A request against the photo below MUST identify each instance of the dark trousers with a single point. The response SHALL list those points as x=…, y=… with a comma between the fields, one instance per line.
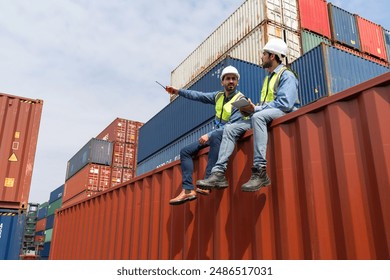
x=189, y=151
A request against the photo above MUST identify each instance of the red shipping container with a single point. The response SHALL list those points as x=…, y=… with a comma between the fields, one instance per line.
x=41, y=225
x=92, y=177
x=371, y=38
x=329, y=164
x=121, y=130
x=314, y=16
x=79, y=197
x=19, y=125
x=124, y=155
x=120, y=175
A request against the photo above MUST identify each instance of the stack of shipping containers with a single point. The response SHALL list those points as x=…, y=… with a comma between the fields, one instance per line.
x=105, y=161
x=40, y=229
x=19, y=126
x=29, y=246
x=124, y=136
x=320, y=48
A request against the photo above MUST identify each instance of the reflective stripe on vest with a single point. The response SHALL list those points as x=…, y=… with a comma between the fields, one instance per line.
x=223, y=115
x=271, y=86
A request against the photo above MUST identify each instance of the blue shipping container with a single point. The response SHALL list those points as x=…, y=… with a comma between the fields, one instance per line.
x=95, y=151
x=344, y=27
x=172, y=151
x=42, y=212
x=40, y=233
x=326, y=70
x=183, y=115
x=386, y=35
x=11, y=233
x=56, y=194
x=46, y=250
x=49, y=222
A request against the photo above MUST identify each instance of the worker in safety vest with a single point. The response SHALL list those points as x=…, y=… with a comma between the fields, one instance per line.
x=224, y=113
x=279, y=96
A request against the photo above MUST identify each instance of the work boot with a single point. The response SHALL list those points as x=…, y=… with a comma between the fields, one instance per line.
x=183, y=197
x=258, y=179
x=215, y=180
x=202, y=191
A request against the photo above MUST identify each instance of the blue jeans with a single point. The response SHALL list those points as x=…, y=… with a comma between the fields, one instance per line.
x=259, y=122
x=188, y=152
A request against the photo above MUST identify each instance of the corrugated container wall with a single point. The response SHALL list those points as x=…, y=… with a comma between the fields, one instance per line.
x=343, y=27
x=323, y=72
x=11, y=233
x=19, y=126
x=42, y=210
x=165, y=127
x=371, y=38
x=50, y=221
x=314, y=16
x=329, y=164
x=231, y=33
x=95, y=151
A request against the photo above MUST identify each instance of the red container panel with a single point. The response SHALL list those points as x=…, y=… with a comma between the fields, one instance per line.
x=329, y=164
x=371, y=38
x=93, y=177
x=361, y=54
x=314, y=16
x=19, y=125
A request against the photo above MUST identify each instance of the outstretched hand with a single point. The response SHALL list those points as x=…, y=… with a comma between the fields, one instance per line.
x=171, y=90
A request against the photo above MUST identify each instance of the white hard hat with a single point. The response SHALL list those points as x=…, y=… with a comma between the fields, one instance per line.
x=276, y=46
x=230, y=70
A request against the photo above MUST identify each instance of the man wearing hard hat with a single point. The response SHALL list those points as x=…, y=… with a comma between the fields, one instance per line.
x=224, y=113
x=278, y=97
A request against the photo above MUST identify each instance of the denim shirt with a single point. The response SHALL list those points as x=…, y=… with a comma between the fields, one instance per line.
x=286, y=94
x=209, y=98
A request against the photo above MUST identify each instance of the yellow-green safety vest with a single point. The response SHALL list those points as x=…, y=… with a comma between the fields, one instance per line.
x=224, y=110
x=271, y=86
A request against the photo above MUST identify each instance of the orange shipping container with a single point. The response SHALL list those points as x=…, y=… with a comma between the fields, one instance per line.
x=93, y=177
x=19, y=125
x=329, y=164
x=120, y=175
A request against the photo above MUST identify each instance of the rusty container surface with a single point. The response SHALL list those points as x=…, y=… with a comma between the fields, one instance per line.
x=329, y=163
x=19, y=126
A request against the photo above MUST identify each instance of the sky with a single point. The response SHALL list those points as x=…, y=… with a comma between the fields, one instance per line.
x=92, y=61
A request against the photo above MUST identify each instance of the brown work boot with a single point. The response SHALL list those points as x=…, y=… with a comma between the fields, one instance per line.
x=184, y=196
x=203, y=192
x=258, y=179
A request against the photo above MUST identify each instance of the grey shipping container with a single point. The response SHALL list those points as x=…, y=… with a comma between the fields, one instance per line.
x=11, y=233
x=326, y=70
x=95, y=151
x=56, y=194
x=343, y=27
x=183, y=115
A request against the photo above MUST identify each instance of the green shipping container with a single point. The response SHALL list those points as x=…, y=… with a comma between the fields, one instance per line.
x=311, y=40
x=54, y=206
x=48, y=235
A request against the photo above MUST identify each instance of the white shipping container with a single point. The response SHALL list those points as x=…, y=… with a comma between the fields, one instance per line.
x=249, y=16
x=250, y=49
